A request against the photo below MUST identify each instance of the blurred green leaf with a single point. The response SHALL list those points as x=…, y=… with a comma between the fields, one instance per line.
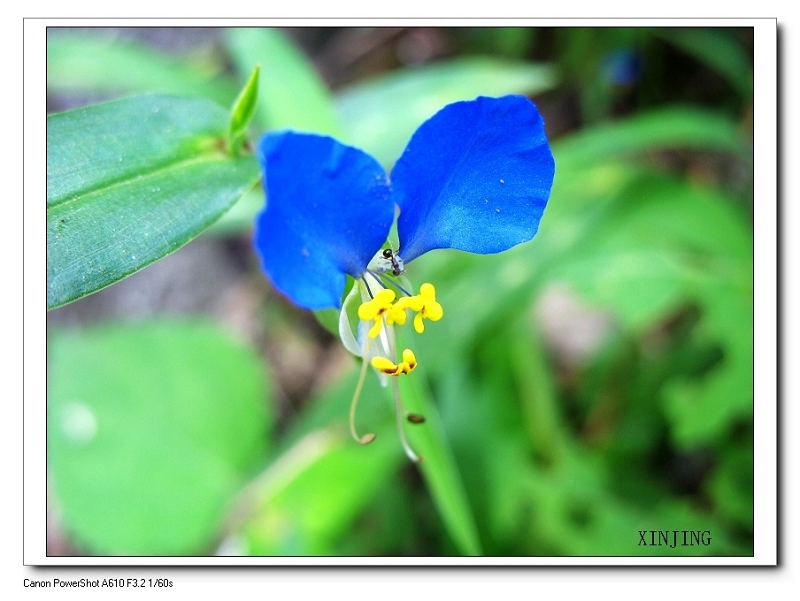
x=380, y=115
x=485, y=429
x=536, y=389
x=731, y=485
x=638, y=285
x=664, y=212
x=130, y=181
x=292, y=95
x=429, y=440
x=704, y=409
x=82, y=62
x=152, y=428
x=670, y=127
x=308, y=498
x=644, y=255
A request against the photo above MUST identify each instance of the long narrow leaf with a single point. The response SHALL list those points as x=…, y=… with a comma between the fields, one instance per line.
x=129, y=182
x=439, y=468
x=672, y=127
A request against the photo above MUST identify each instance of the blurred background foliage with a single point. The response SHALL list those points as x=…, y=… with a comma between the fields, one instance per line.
x=592, y=383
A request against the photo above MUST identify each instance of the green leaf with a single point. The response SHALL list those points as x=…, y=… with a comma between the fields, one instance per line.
x=130, y=181
x=243, y=109
x=671, y=127
x=152, y=429
x=90, y=62
x=292, y=95
x=704, y=409
x=380, y=115
x=644, y=255
x=637, y=285
x=438, y=467
x=308, y=498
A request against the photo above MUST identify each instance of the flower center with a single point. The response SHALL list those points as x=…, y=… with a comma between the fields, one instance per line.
x=382, y=311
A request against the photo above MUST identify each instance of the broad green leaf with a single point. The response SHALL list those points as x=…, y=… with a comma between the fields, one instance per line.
x=380, y=115
x=671, y=127
x=152, y=429
x=130, y=181
x=241, y=216
x=291, y=93
x=91, y=63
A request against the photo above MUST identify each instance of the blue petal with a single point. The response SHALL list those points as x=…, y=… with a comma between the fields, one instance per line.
x=327, y=213
x=476, y=176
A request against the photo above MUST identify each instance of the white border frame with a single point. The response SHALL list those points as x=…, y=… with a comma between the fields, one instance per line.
x=765, y=303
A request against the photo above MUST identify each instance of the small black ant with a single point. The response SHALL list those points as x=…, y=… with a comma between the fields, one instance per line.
x=397, y=262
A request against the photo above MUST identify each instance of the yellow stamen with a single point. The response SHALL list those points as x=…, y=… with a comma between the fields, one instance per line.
x=406, y=366
x=375, y=309
x=426, y=306
x=409, y=360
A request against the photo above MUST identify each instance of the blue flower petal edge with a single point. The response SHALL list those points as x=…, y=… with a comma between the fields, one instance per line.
x=328, y=210
x=475, y=177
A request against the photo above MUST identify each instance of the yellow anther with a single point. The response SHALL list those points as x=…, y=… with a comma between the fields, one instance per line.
x=397, y=312
x=375, y=308
x=383, y=364
x=406, y=366
x=429, y=308
x=409, y=360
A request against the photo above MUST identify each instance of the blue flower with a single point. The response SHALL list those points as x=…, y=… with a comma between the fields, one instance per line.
x=474, y=177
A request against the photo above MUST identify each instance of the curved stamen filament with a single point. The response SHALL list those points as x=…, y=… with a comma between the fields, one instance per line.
x=369, y=437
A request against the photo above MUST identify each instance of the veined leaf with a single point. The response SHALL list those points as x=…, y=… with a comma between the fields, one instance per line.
x=130, y=181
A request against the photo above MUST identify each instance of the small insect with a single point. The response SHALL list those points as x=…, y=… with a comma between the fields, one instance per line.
x=397, y=262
